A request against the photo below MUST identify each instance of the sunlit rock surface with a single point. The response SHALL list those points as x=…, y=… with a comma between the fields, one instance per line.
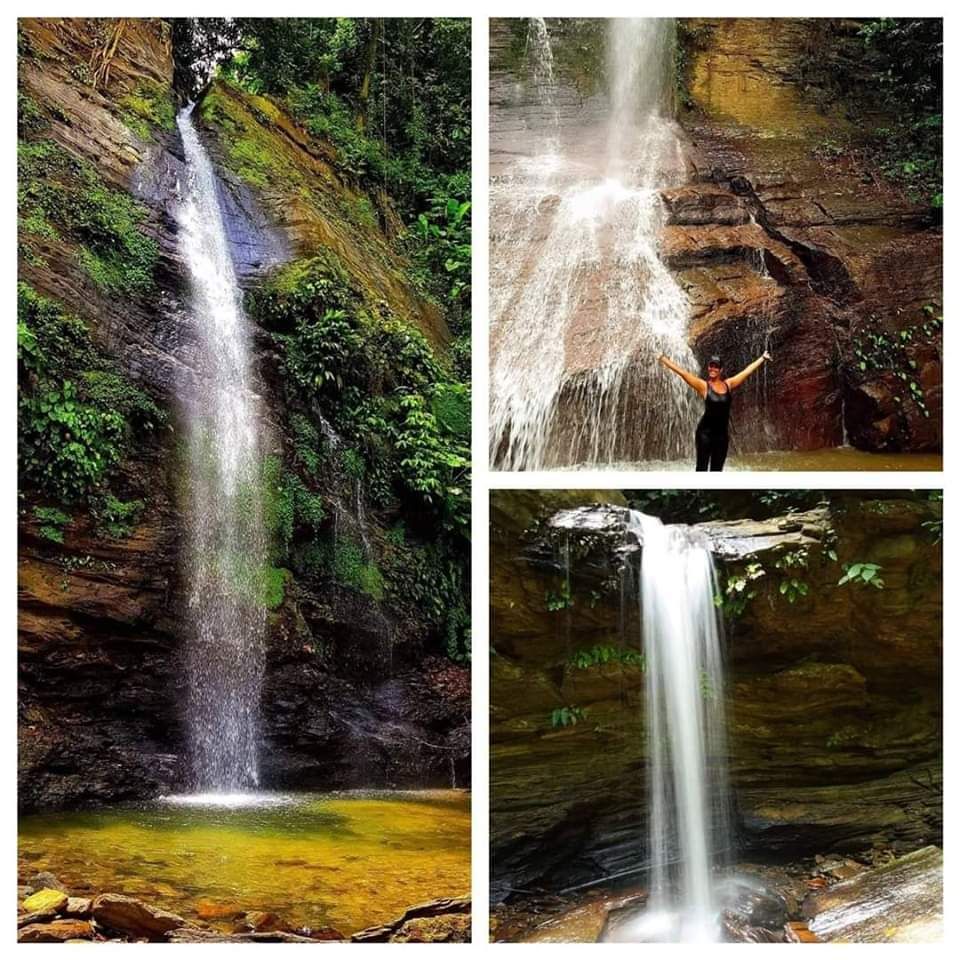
x=901, y=902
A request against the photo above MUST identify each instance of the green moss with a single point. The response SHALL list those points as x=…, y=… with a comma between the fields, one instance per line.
x=149, y=107
x=30, y=116
x=253, y=150
x=349, y=566
x=59, y=194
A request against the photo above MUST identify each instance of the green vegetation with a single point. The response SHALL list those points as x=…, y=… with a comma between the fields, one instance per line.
x=601, y=654
x=378, y=381
x=116, y=518
x=352, y=569
x=790, y=564
x=77, y=415
x=52, y=521
x=567, y=717
x=559, y=600
x=879, y=351
x=891, y=67
x=739, y=590
x=862, y=573
x=149, y=107
x=690, y=39
x=393, y=96
x=62, y=197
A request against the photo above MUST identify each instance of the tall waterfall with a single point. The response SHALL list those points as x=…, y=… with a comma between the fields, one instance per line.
x=225, y=540
x=686, y=733
x=581, y=304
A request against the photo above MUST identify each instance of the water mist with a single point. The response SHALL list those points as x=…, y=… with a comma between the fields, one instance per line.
x=226, y=546
x=581, y=304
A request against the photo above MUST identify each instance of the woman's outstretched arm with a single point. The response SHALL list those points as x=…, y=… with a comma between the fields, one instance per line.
x=738, y=378
x=692, y=379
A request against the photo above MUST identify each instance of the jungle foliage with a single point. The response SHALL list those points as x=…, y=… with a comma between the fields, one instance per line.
x=397, y=422
x=889, y=67
x=78, y=416
x=373, y=413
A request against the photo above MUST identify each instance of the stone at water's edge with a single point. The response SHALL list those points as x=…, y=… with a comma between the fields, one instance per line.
x=46, y=901
x=134, y=918
x=58, y=931
x=437, y=921
x=900, y=902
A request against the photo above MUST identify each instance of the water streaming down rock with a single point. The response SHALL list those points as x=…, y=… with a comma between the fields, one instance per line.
x=581, y=303
x=686, y=732
x=226, y=549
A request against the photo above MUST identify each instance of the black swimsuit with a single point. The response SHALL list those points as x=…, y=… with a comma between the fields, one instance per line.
x=712, y=436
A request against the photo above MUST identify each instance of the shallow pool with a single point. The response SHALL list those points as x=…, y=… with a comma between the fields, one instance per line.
x=346, y=860
x=837, y=458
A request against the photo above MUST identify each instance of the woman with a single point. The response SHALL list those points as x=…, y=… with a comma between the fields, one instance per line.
x=712, y=436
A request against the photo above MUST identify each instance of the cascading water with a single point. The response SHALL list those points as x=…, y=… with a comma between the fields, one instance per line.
x=689, y=822
x=581, y=304
x=226, y=546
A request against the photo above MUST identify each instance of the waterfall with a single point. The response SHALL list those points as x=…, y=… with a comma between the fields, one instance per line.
x=226, y=552
x=581, y=303
x=689, y=820
x=541, y=55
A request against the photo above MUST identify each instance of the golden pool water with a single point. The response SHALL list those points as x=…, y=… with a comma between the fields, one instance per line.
x=345, y=860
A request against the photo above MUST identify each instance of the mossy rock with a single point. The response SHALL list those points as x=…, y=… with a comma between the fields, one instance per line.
x=48, y=901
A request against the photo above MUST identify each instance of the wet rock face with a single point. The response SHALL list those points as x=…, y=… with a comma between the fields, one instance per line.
x=900, y=902
x=775, y=247
x=833, y=257
x=834, y=707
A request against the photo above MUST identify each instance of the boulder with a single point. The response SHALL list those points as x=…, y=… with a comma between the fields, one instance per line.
x=57, y=931
x=79, y=907
x=133, y=918
x=899, y=902
x=46, y=901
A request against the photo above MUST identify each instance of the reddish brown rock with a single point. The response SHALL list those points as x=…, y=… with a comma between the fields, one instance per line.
x=57, y=931
x=133, y=918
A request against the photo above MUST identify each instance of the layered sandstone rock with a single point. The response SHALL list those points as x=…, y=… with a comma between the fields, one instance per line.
x=833, y=706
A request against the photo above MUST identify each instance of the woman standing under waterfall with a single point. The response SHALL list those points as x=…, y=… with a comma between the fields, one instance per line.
x=712, y=435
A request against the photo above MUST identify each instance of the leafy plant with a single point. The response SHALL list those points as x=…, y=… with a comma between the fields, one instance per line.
x=599, y=655
x=566, y=717
x=116, y=518
x=862, y=573
x=52, y=521
x=740, y=589
x=791, y=586
x=559, y=600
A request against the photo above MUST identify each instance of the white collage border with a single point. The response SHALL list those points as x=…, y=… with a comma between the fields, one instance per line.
x=485, y=480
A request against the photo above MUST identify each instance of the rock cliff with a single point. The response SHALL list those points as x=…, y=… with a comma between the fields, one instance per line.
x=834, y=706
x=357, y=690
x=779, y=240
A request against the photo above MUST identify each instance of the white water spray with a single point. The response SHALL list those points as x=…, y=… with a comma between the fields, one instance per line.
x=226, y=545
x=581, y=304
x=686, y=733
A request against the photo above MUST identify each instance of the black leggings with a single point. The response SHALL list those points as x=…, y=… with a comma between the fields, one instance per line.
x=712, y=446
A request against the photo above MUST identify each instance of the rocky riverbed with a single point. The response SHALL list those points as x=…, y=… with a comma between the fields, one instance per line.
x=826, y=898
x=48, y=914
